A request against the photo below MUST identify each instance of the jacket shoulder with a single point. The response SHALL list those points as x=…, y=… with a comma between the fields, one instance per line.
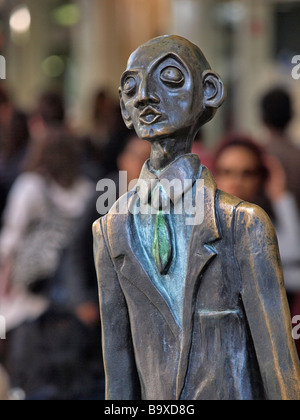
x=252, y=215
x=246, y=215
x=97, y=230
x=96, y=227
x=255, y=227
x=117, y=211
x=226, y=206
x=229, y=204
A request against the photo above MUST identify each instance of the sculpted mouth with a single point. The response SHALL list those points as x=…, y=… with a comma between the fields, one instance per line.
x=150, y=115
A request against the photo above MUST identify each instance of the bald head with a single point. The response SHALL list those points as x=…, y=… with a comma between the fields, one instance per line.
x=177, y=45
x=169, y=90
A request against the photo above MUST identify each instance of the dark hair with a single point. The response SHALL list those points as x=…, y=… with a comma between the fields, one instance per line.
x=4, y=99
x=19, y=131
x=103, y=104
x=276, y=108
x=57, y=158
x=15, y=137
x=51, y=108
x=242, y=140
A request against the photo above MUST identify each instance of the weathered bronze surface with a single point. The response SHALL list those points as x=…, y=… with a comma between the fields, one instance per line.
x=204, y=315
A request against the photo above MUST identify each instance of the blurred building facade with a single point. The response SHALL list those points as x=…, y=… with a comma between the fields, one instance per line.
x=80, y=46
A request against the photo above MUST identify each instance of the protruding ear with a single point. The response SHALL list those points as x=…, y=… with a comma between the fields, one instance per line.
x=126, y=117
x=214, y=90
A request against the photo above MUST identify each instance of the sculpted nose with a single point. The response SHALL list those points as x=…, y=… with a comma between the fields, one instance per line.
x=145, y=95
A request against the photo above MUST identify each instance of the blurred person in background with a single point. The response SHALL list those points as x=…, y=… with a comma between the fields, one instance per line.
x=14, y=136
x=47, y=117
x=202, y=151
x=76, y=275
x=103, y=117
x=277, y=113
x=49, y=113
x=70, y=366
x=242, y=169
x=100, y=147
x=92, y=145
x=43, y=207
x=109, y=128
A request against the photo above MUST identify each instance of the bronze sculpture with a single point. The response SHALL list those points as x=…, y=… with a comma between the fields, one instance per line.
x=189, y=311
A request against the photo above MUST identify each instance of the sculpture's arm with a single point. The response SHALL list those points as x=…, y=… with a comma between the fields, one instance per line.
x=265, y=302
x=121, y=377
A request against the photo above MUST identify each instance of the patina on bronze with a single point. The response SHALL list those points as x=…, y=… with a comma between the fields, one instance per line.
x=188, y=312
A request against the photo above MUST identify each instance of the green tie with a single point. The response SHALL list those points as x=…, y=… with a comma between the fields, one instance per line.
x=162, y=242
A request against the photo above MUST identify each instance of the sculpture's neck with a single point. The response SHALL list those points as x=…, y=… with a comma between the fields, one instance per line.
x=164, y=152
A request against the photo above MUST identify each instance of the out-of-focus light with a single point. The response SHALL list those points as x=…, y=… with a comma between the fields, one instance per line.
x=53, y=66
x=20, y=20
x=233, y=12
x=66, y=15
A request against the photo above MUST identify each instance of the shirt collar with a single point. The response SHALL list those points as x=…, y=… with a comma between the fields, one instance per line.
x=180, y=174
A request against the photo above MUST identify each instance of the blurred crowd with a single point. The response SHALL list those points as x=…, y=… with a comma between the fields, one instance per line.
x=48, y=286
x=48, y=177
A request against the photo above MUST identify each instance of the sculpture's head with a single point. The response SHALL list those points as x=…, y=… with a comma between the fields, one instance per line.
x=169, y=90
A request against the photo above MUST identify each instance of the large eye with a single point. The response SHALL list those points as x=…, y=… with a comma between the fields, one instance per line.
x=172, y=76
x=129, y=85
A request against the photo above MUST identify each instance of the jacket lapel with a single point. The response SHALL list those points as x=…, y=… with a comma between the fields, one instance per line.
x=201, y=253
x=120, y=237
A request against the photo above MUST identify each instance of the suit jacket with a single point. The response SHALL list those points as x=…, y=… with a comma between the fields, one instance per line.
x=235, y=341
